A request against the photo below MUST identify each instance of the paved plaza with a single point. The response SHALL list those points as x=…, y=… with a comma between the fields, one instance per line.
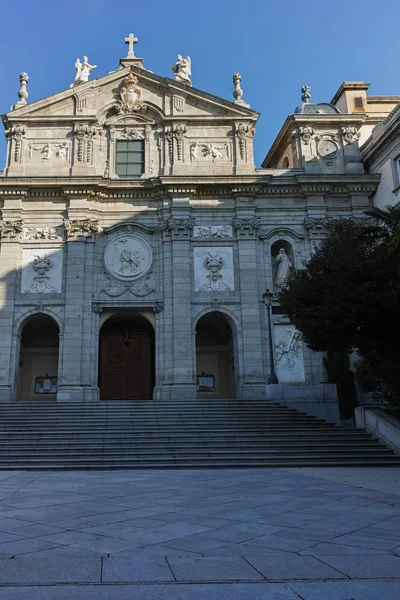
x=281, y=534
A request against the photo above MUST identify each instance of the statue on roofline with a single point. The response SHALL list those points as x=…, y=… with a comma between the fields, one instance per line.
x=83, y=70
x=182, y=69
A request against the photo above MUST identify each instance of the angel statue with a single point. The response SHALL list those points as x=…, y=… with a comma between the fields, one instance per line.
x=83, y=71
x=182, y=69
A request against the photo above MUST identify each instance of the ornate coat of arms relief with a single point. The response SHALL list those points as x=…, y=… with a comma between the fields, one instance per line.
x=130, y=94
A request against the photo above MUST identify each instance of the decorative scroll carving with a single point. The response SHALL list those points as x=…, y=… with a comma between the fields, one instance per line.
x=242, y=131
x=315, y=226
x=141, y=288
x=158, y=307
x=41, y=233
x=306, y=134
x=131, y=96
x=212, y=231
x=177, y=227
x=96, y=308
x=10, y=230
x=246, y=226
x=84, y=228
x=169, y=136
x=350, y=134
x=84, y=135
x=179, y=133
x=131, y=133
x=16, y=133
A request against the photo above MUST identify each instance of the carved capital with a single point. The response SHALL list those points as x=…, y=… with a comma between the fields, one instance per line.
x=10, y=230
x=246, y=226
x=315, y=227
x=350, y=134
x=158, y=307
x=306, y=134
x=97, y=308
x=177, y=227
x=80, y=229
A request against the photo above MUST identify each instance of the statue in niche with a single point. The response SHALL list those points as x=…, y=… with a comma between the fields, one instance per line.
x=283, y=269
x=182, y=69
x=83, y=71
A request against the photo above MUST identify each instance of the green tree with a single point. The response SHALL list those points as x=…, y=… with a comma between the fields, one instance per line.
x=334, y=296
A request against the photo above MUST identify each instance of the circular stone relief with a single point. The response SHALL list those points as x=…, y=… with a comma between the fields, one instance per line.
x=128, y=257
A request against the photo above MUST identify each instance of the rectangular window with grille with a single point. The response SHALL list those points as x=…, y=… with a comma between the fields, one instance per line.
x=130, y=158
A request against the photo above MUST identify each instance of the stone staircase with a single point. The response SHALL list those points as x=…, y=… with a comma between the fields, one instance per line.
x=177, y=434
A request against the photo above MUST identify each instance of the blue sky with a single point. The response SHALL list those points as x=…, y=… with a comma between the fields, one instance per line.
x=277, y=46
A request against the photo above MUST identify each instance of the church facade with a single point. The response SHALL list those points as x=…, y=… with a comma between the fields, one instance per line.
x=137, y=238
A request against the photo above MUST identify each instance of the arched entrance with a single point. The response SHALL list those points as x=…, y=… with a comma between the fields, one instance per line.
x=126, y=362
x=215, y=357
x=38, y=359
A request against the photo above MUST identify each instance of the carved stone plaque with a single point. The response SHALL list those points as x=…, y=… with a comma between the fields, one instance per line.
x=213, y=269
x=288, y=350
x=128, y=257
x=41, y=271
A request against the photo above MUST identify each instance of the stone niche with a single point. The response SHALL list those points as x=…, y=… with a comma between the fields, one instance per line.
x=213, y=269
x=41, y=271
x=288, y=351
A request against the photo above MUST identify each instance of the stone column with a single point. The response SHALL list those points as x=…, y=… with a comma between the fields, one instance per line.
x=75, y=381
x=10, y=230
x=179, y=374
x=253, y=382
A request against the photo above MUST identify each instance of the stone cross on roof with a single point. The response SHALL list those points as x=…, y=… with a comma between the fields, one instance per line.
x=131, y=41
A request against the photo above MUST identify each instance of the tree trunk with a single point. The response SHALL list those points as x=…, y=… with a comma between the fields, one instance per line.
x=337, y=365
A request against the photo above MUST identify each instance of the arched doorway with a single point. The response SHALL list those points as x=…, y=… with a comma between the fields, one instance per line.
x=38, y=359
x=126, y=361
x=215, y=357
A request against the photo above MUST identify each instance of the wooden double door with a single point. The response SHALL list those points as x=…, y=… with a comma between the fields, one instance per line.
x=126, y=365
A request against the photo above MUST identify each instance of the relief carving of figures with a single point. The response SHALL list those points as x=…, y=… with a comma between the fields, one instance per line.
x=283, y=269
x=130, y=94
x=350, y=134
x=212, y=231
x=182, y=69
x=246, y=226
x=208, y=152
x=132, y=134
x=10, y=230
x=16, y=133
x=127, y=258
x=60, y=151
x=177, y=227
x=288, y=354
x=84, y=228
x=242, y=131
x=83, y=70
x=41, y=281
x=41, y=233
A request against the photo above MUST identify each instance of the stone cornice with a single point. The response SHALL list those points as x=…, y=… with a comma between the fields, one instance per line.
x=250, y=186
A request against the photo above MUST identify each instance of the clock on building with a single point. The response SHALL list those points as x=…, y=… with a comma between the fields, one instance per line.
x=327, y=149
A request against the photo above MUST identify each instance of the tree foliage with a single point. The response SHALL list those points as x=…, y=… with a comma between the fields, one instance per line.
x=347, y=297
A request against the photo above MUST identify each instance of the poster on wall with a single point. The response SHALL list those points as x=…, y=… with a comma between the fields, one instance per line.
x=205, y=383
x=46, y=385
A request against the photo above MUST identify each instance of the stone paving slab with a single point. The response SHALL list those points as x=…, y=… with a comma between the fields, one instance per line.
x=347, y=590
x=255, y=591
x=368, y=567
x=51, y=570
x=118, y=570
x=213, y=569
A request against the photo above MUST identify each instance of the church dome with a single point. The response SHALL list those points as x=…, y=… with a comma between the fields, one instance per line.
x=324, y=108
